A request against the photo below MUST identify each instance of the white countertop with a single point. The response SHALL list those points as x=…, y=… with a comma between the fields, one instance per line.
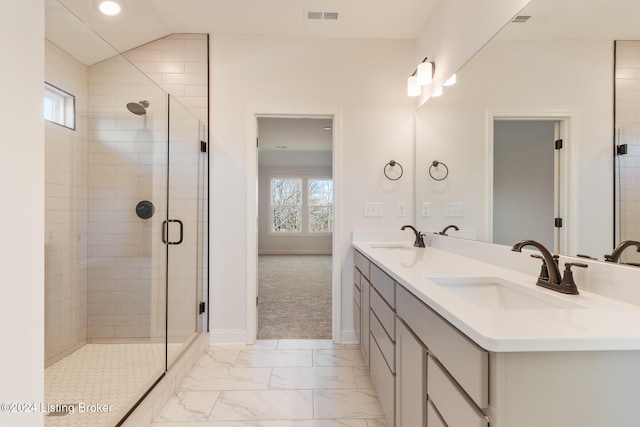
x=600, y=323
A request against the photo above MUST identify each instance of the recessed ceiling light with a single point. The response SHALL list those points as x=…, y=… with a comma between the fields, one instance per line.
x=109, y=7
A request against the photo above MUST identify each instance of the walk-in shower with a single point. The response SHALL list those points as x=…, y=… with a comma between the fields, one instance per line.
x=126, y=226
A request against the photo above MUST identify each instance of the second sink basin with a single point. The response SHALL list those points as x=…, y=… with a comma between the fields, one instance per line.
x=494, y=293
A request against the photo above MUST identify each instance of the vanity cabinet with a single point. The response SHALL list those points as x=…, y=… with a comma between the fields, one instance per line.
x=362, y=275
x=378, y=330
x=427, y=372
x=411, y=375
x=457, y=373
x=382, y=316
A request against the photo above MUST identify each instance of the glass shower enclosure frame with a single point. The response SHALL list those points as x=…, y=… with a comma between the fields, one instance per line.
x=126, y=247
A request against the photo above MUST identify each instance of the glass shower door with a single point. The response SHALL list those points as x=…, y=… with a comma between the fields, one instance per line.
x=186, y=227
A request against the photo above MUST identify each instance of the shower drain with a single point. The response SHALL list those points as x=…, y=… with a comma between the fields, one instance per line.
x=62, y=409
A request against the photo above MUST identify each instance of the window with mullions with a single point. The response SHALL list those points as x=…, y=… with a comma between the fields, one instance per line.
x=320, y=202
x=59, y=106
x=301, y=205
x=286, y=205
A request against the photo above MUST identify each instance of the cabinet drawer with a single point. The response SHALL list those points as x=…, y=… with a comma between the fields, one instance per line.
x=466, y=361
x=357, y=295
x=385, y=344
x=384, y=313
x=433, y=417
x=356, y=320
x=384, y=285
x=364, y=320
x=384, y=382
x=356, y=277
x=362, y=264
x=452, y=403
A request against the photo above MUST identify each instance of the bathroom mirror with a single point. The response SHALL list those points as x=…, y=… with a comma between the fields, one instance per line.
x=555, y=67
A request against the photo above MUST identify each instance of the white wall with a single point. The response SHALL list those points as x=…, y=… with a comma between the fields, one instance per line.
x=22, y=195
x=66, y=160
x=527, y=77
x=363, y=80
x=456, y=30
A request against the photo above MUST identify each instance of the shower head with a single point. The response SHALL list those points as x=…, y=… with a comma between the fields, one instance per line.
x=138, y=108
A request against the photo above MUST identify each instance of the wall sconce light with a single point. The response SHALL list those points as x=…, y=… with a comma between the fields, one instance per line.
x=422, y=76
x=425, y=72
x=413, y=87
x=451, y=81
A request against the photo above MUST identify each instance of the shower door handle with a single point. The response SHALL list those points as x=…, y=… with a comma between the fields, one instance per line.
x=165, y=232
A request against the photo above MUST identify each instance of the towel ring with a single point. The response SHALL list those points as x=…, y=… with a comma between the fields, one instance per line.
x=435, y=164
x=393, y=163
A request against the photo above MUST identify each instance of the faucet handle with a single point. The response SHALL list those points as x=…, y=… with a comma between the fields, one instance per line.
x=544, y=272
x=567, y=278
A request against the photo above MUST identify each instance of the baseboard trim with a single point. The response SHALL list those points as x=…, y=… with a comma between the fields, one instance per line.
x=229, y=336
x=294, y=252
x=348, y=336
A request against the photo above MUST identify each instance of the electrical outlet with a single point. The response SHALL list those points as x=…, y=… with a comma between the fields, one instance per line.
x=454, y=210
x=373, y=209
x=425, y=209
x=402, y=209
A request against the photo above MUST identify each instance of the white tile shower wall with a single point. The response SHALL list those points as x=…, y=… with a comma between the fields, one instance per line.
x=178, y=63
x=127, y=155
x=66, y=159
x=628, y=121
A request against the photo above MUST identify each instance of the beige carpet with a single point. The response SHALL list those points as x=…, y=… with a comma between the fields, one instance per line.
x=295, y=296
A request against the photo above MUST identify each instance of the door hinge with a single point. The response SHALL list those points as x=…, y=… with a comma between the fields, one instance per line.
x=202, y=307
x=558, y=144
x=558, y=222
x=257, y=301
x=621, y=149
x=203, y=146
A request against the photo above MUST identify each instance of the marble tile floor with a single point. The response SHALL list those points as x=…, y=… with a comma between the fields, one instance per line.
x=276, y=383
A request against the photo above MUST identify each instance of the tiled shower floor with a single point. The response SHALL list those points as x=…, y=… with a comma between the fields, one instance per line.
x=104, y=374
x=276, y=383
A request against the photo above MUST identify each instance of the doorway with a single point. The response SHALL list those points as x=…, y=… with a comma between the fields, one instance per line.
x=530, y=181
x=295, y=227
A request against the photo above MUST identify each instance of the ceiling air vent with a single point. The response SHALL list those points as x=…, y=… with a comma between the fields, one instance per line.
x=520, y=19
x=318, y=15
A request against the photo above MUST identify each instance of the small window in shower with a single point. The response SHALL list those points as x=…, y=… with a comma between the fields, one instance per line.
x=59, y=106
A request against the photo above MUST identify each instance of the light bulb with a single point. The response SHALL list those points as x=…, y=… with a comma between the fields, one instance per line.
x=425, y=73
x=110, y=7
x=413, y=87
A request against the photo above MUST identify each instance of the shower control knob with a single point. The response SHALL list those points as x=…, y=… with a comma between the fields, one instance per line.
x=145, y=209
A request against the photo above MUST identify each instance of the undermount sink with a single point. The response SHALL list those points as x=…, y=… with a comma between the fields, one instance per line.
x=494, y=293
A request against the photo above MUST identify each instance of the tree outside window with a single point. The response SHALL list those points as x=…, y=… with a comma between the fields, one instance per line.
x=320, y=201
x=286, y=205
x=301, y=205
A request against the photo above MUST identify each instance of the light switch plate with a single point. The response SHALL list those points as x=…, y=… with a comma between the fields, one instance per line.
x=373, y=209
x=454, y=210
x=402, y=209
x=425, y=209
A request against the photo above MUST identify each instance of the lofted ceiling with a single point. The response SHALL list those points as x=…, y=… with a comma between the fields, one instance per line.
x=142, y=21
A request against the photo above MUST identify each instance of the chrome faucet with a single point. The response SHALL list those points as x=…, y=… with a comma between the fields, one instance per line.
x=550, y=277
x=419, y=242
x=615, y=255
x=444, y=232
